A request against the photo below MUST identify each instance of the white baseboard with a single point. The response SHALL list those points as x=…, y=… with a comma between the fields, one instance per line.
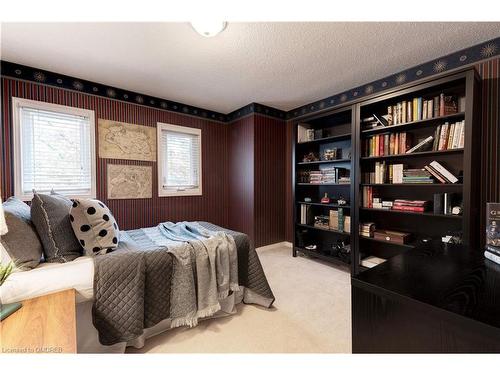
x=275, y=245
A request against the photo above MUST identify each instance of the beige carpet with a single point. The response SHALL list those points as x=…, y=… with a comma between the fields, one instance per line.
x=312, y=314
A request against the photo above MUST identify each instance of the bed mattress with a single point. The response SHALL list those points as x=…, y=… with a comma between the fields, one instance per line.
x=50, y=278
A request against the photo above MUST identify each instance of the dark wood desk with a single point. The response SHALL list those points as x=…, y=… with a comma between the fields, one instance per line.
x=435, y=299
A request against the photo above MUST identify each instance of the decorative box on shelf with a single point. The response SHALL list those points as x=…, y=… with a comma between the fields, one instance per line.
x=392, y=236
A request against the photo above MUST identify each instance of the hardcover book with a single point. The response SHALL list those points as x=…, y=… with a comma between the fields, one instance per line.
x=493, y=227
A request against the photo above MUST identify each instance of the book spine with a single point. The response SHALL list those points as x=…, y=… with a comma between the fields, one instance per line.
x=389, y=115
x=403, y=111
x=415, y=109
x=386, y=144
x=435, y=106
x=441, y=104
x=430, y=111
x=424, y=110
x=409, y=111
x=438, y=177
x=449, y=143
x=419, y=108
x=408, y=208
x=438, y=204
x=442, y=136
x=461, y=143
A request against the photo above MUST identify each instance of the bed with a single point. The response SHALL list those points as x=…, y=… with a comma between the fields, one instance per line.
x=80, y=275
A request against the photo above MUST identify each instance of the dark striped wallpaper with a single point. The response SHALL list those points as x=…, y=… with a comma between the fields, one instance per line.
x=133, y=213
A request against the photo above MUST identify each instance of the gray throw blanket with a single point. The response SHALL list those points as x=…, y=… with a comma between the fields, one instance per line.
x=176, y=271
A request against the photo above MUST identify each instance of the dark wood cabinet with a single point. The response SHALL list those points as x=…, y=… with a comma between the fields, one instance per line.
x=434, y=299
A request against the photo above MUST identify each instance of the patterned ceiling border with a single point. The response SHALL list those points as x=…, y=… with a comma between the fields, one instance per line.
x=256, y=108
x=465, y=57
x=27, y=73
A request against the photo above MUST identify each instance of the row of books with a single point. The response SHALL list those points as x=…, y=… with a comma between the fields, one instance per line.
x=333, y=175
x=449, y=136
x=398, y=174
x=338, y=221
x=387, y=144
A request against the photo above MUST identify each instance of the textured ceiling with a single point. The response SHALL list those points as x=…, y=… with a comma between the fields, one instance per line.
x=283, y=65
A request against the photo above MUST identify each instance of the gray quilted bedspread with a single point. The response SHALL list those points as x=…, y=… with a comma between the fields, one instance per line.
x=132, y=284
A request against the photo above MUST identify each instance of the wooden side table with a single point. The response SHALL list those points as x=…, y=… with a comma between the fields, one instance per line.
x=45, y=324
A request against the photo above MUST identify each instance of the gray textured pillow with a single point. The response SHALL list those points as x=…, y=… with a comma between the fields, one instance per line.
x=50, y=214
x=94, y=226
x=21, y=241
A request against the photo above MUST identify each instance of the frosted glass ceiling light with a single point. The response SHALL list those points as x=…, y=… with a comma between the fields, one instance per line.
x=208, y=28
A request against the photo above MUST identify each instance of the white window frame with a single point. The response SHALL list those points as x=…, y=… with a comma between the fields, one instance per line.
x=17, y=146
x=162, y=192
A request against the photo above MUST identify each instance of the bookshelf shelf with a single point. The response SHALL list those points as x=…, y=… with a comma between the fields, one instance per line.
x=327, y=258
x=428, y=214
x=333, y=138
x=332, y=205
x=409, y=125
x=323, y=229
x=419, y=185
x=407, y=245
x=308, y=184
x=325, y=162
x=415, y=154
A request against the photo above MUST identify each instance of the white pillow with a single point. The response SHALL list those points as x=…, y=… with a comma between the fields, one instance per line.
x=94, y=226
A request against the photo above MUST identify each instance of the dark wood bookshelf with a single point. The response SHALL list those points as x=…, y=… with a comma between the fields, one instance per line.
x=460, y=161
x=408, y=125
x=337, y=128
x=341, y=126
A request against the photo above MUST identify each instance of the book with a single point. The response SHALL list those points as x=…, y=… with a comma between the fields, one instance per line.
x=9, y=309
x=415, y=109
x=430, y=110
x=438, y=203
x=421, y=144
x=435, y=174
x=435, y=106
x=462, y=135
x=389, y=115
x=493, y=227
x=409, y=111
x=371, y=261
x=443, y=136
x=444, y=172
x=451, y=133
x=492, y=256
x=408, y=208
x=419, y=108
x=381, y=120
x=424, y=110
x=441, y=104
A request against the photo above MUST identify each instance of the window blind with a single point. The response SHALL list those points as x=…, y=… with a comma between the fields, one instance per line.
x=181, y=164
x=55, y=152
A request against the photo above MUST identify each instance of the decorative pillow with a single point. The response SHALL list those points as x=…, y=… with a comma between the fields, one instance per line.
x=94, y=226
x=50, y=214
x=21, y=242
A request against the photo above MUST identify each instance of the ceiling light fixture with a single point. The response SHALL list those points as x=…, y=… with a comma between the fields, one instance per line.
x=208, y=28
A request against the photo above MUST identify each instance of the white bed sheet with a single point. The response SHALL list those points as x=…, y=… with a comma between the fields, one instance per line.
x=49, y=278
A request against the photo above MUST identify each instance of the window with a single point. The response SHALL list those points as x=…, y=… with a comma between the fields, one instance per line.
x=179, y=160
x=54, y=148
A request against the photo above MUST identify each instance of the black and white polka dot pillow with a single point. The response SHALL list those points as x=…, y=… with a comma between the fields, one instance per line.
x=94, y=226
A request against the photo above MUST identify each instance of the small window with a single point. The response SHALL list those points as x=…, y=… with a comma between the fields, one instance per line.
x=179, y=160
x=54, y=149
